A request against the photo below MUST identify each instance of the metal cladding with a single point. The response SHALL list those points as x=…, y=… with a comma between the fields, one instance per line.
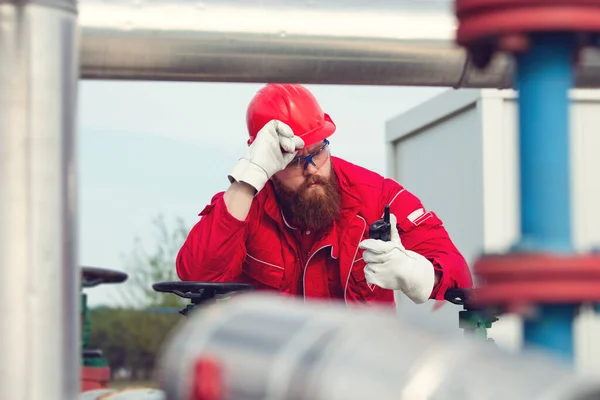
x=123, y=394
x=39, y=303
x=363, y=42
x=268, y=346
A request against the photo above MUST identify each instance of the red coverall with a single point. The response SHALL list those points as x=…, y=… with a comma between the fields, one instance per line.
x=269, y=253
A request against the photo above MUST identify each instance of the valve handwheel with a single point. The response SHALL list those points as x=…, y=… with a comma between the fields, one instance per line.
x=199, y=292
x=94, y=276
x=456, y=296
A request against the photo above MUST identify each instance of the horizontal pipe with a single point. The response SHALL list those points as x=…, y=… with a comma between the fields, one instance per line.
x=265, y=346
x=363, y=42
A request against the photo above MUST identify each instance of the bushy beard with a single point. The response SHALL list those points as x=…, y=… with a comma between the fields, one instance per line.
x=312, y=209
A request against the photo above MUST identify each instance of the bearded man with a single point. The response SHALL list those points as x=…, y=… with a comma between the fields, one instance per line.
x=295, y=219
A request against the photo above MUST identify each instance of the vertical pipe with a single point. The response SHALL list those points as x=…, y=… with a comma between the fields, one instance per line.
x=39, y=69
x=552, y=330
x=544, y=78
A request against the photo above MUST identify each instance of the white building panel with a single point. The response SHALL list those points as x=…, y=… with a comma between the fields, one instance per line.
x=458, y=152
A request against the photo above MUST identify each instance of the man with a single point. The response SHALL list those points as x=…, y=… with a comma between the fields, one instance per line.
x=295, y=219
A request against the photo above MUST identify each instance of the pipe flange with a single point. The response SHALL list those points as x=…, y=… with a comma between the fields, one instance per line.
x=520, y=280
x=486, y=26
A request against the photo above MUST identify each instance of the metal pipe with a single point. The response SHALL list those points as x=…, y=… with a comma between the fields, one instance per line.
x=268, y=346
x=123, y=394
x=544, y=78
x=363, y=42
x=39, y=69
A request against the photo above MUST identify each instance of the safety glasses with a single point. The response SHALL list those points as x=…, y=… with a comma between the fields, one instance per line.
x=316, y=158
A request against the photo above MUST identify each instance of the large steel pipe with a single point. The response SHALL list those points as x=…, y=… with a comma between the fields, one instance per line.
x=263, y=346
x=39, y=303
x=366, y=42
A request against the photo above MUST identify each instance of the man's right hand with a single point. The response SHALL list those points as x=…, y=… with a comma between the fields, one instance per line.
x=272, y=150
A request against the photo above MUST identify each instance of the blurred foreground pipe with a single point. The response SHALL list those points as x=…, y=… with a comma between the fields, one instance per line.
x=260, y=346
x=123, y=394
x=39, y=297
x=363, y=42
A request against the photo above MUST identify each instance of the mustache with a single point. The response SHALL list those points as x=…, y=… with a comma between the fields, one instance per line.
x=315, y=179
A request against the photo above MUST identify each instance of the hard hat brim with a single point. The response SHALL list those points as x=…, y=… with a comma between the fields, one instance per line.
x=319, y=134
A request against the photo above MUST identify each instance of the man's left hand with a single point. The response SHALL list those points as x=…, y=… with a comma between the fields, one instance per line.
x=391, y=266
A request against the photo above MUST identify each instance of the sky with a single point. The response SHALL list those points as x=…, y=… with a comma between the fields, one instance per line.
x=164, y=148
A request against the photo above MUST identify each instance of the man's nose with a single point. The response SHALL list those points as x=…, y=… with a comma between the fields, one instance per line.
x=310, y=169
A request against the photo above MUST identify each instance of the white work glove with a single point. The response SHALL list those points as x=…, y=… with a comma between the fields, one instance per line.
x=391, y=266
x=265, y=157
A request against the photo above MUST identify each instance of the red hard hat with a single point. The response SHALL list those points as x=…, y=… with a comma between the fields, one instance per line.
x=292, y=104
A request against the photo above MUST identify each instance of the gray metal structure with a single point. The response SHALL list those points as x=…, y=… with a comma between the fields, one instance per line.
x=272, y=348
x=39, y=298
x=359, y=42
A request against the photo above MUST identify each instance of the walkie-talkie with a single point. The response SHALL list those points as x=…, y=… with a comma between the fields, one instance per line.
x=382, y=229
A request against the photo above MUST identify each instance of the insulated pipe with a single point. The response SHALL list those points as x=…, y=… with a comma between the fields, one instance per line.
x=136, y=393
x=268, y=346
x=39, y=69
x=363, y=42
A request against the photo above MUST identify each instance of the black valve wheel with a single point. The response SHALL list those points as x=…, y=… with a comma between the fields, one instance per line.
x=94, y=276
x=457, y=296
x=200, y=292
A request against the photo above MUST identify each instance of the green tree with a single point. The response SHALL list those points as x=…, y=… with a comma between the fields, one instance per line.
x=131, y=339
x=146, y=267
